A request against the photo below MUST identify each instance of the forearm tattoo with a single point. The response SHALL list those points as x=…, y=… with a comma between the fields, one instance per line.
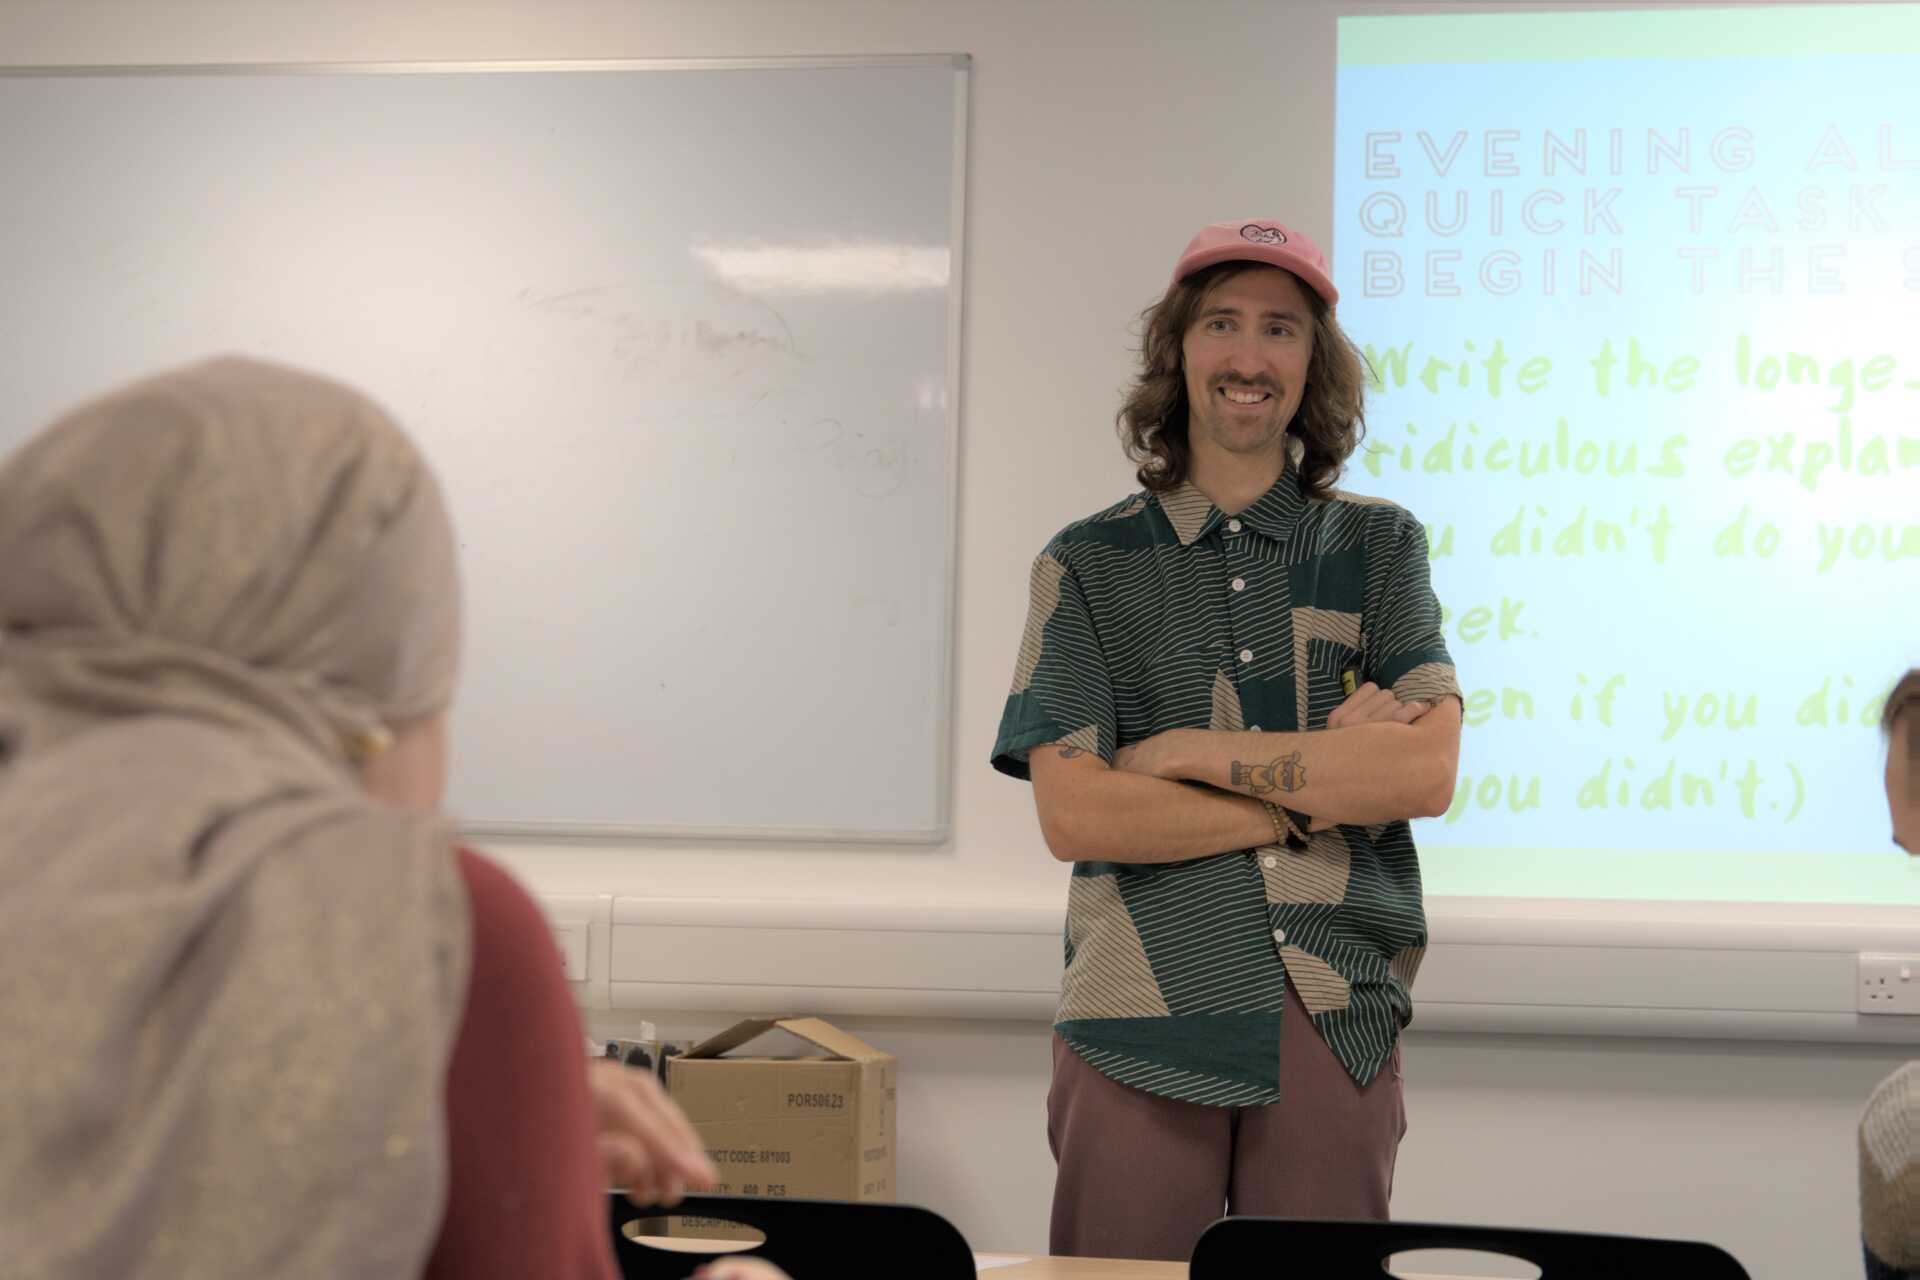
x=1288, y=774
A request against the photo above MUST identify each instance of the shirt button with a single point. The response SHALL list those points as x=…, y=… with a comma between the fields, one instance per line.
x=1279, y=935
x=1233, y=526
x=1246, y=655
x=1239, y=584
x=1253, y=728
x=1269, y=861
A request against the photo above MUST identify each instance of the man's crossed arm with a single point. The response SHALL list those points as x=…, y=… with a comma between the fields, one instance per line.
x=1378, y=760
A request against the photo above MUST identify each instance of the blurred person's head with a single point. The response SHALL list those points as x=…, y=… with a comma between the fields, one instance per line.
x=241, y=544
x=1901, y=724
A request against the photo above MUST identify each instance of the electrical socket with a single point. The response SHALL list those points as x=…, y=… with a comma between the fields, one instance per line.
x=1889, y=983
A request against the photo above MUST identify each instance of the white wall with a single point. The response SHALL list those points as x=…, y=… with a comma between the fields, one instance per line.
x=1103, y=133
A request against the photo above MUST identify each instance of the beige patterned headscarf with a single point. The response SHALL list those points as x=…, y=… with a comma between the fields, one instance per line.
x=229, y=983
x=1890, y=1171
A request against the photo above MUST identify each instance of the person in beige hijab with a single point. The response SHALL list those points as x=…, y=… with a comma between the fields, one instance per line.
x=235, y=937
x=1890, y=1126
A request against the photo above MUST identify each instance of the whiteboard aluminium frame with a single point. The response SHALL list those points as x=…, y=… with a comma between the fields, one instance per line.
x=941, y=832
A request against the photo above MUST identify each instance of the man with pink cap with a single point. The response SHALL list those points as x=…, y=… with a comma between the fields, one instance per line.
x=1231, y=695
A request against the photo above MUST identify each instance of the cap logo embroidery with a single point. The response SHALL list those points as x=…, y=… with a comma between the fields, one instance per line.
x=1263, y=235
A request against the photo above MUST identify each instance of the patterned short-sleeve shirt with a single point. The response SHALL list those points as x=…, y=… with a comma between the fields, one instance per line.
x=1160, y=613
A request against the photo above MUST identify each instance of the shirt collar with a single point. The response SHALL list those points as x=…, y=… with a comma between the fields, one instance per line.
x=1274, y=513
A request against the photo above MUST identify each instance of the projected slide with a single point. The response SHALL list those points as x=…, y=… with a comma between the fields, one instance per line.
x=1642, y=290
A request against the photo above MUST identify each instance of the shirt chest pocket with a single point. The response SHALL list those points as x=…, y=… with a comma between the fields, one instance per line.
x=1329, y=644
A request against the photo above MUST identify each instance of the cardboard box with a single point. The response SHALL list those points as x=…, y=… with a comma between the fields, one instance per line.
x=817, y=1127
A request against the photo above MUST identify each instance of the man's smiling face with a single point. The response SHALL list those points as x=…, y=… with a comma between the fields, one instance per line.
x=1246, y=355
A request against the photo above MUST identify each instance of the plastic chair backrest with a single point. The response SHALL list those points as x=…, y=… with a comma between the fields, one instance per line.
x=805, y=1238
x=1243, y=1247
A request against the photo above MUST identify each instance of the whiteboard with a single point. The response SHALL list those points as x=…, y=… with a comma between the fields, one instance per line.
x=680, y=338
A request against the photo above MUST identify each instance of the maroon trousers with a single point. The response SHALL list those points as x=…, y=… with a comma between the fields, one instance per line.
x=1142, y=1176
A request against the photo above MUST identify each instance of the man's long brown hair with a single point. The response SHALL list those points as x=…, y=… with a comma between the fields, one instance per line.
x=1153, y=420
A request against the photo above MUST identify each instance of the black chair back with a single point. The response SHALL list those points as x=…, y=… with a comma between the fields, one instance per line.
x=805, y=1238
x=1241, y=1247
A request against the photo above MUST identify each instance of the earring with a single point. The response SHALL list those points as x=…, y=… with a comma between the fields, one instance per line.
x=365, y=744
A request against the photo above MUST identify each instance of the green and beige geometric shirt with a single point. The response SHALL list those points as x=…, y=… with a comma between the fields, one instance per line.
x=1163, y=613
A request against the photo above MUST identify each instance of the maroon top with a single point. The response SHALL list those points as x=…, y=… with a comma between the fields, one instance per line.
x=526, y=1195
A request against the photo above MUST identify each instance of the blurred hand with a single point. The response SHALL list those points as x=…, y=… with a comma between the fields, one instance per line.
x=647, y=1145
x=1370, y=704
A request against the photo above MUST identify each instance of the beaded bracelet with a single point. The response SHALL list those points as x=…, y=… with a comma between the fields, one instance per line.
x=1287, y=826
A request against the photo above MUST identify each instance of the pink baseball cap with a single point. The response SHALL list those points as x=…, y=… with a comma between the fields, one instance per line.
x=1264, y=241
